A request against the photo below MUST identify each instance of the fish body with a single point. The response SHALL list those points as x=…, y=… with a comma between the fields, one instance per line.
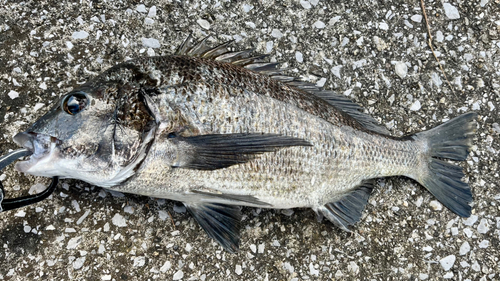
x=215, y=129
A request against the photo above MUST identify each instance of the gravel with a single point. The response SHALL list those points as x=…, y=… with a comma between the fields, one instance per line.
x=356, y=48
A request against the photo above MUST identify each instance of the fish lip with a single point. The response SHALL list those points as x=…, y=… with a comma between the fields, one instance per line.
x=41, y=145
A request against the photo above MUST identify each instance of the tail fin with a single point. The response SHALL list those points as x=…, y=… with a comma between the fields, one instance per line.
x=450, y=140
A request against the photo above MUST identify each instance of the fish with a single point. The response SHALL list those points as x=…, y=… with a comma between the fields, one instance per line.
x=217, y=128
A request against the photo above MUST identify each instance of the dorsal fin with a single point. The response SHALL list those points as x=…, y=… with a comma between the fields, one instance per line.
x=245, y=59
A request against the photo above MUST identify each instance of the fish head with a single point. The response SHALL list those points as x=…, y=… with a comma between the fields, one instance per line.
x=91, y=134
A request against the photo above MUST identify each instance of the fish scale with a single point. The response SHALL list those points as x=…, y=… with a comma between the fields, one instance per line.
x=216, y=129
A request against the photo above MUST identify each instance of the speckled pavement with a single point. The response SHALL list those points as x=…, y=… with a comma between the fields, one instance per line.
x=375, y=52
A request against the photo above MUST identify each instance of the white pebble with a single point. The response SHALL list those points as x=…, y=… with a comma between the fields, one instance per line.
x=78, y=263
x=13, y=94
x=447, y=262
x=152, y=12
x=238, y=269
x=203, y=23
x=319, y=24
x=321, y=82
x=269, y=46
x=261, y=248
x=305, y=4
x=106, y=277
x=166, y=266
x=80, y=35
x=312, y=270
x=383, y=26
x=178, y=275
x=74, y=242
x=435, y=205
x=401, y=69
x=423, y=276
x=141, y=8
x=139, y=261
x=37, y=106
x=27, y=229
x=464, y=249
x=247, y=8
x=439, y=36
x=150, y=42
x=148, y=21
x=451, y=11
x=299, y=57
x=276, y=33
x=415, y=106
x=250, y=24
x=336, y=70
x=119, y=220
x=253, y=248
x=163, y=215
x=69, y=45
x=448, y=275
x=353, y=267
x=483, y=226
x=416, y=18
x=484, y=244
x=470, y=220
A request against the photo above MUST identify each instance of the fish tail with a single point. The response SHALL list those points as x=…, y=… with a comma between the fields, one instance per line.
x=452, y=141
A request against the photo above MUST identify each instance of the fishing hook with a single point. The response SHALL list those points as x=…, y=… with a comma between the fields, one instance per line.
x=14, y=203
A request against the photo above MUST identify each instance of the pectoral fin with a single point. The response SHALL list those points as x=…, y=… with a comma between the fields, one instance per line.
x=220, y=222
x=347, y=209
x=216, y=151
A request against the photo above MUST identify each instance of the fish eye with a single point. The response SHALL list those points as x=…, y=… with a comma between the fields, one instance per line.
x=75, y=103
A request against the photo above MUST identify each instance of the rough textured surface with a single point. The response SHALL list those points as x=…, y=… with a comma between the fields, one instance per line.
x=83, y=232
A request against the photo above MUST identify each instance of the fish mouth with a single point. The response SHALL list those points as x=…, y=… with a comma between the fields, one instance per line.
x=43, y=148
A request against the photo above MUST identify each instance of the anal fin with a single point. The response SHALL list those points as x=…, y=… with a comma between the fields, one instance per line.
x=348, y=208
x=221, y=222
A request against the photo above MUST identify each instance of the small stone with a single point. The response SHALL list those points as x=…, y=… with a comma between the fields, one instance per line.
x=313, y=271
x=148, y=21
x=353, y=267
x=203, y=23
x=447, y=262
x=150, y=43
x=166, y=266
x=484, y=244
x=471, y=220
x=27, y=229
x=247, y=8
x=336, y=70
x=464, y=249
x=383, y=26
x=152, y=12
x=163, y=215
x=253, y=248
x=451, y=11
x=416, y=18
x=435, y=205
x=423, y=276
x=415, y=106
x=319, y=24
x=276, y=33
x=119, y=220
x=238, y=269
x=139, y=261
x=299, y=57
x=13, y=94
x=483, y=226
x=141, y=8
x=305, y=4
x=439, y=36
x=74, y=242
x=78, y=263
x=179, y=208
x=80, y=35
x=261, y=248
x=178, y=275
x=401, y=69
x=448, y=275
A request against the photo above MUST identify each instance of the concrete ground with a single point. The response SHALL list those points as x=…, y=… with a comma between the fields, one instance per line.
x=375, y=52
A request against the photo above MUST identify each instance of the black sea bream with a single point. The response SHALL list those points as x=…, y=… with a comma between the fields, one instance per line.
x=217, y=129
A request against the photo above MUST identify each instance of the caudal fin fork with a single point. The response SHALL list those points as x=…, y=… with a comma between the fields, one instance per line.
x=450, y=140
